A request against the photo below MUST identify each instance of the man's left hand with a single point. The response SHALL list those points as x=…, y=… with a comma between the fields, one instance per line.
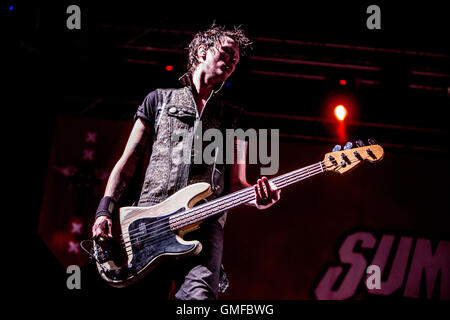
x=266, y=193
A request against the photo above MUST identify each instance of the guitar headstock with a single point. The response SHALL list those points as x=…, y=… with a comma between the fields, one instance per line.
x=344, y=160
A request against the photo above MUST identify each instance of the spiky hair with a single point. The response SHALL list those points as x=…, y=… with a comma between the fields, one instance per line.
x=212, y=37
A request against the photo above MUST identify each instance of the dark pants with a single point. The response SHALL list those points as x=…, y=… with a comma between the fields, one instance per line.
x=196, y=277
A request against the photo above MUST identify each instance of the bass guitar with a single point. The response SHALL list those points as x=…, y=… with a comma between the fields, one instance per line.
x=151, y=234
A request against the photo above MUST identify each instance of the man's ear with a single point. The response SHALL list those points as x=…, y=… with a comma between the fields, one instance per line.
x=201, y=52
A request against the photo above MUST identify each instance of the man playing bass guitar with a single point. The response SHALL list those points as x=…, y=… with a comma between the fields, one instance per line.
x=165, y=113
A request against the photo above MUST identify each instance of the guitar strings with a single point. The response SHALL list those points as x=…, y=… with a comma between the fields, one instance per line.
x=238, y=197
x=166, y=226
x=156, y=237
x=281, y=181
x=196, y=210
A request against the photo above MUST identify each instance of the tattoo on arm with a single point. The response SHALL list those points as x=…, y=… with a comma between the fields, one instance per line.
x=139, y=149
x=120, y=180
x=120, y=184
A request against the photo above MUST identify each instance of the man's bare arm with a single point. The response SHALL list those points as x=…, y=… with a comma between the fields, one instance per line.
x=124, y=169
x=122, y=173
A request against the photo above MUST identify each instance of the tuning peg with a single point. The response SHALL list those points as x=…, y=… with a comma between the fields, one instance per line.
x=360, y=143
x=337, y=148
x=348, y=145
x=372, y=141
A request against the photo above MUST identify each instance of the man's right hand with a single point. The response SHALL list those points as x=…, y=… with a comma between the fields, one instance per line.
x=101, y=230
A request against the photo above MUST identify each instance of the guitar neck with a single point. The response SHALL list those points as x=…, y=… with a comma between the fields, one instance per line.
x=219, y=205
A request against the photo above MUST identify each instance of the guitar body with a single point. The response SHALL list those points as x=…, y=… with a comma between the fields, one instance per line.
x=148, y=238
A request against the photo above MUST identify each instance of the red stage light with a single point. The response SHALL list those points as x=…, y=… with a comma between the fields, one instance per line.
x=340, y=112
x=342, y=82
x=169, y=68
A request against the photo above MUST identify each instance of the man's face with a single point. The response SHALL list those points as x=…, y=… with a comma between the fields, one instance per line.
x=222, y=59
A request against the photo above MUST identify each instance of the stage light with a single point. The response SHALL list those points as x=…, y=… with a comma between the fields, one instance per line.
x=11, y=8
x=169, y=68
x=342, y=82
x=340, y=112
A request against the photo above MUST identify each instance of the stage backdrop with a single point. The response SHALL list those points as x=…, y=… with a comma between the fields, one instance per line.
x=318, y=241
x=83, y=153
x=326, y=239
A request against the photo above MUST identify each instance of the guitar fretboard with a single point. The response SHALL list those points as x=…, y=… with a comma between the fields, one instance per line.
x=219, y=205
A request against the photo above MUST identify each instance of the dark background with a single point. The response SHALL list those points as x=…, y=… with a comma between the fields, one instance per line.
x=397, y=91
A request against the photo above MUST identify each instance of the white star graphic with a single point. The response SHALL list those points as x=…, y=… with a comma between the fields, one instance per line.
x=91, y=137
x=73, y=247
x=76, y=227
x=88, y=154
x=66, y=171
x=104, y=175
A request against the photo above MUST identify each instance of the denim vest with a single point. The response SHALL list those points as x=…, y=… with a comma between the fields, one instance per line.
x=175, y=128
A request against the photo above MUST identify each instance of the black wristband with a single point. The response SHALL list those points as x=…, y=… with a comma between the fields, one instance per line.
x=106, y=207
x=103, y=213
